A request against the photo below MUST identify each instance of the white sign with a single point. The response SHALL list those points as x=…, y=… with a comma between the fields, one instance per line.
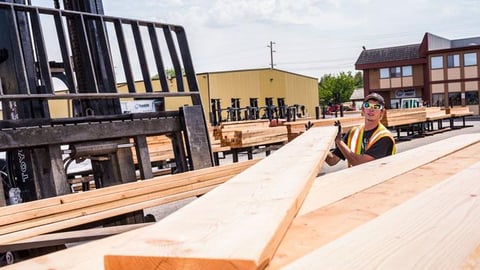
x=405, y=93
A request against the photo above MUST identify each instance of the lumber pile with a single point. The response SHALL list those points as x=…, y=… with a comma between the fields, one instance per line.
x=294, y=129
x=260, y=205
x=159, y=148
x=225, y=132
x=215, y=141
x=52, y=214
x=401, y=117
x=249, y=133
x=436, y=113
x=402, y=221
x=407, y=211
x=459, y=111
x=259, y=136
x=205, y=233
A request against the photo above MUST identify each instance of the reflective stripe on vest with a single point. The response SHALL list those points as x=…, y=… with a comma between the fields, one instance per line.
x=355, y=138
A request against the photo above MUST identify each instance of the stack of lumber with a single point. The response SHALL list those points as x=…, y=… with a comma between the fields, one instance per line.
x=215, y=141
x=436, y=113
x=460, y=111
x=259, y=136
x=77, y=183
x=52, y=214
x=159, y=148
x=296, y=128
x=402, y=117
x=235, y=226
x=407, y=211
x=225, y=132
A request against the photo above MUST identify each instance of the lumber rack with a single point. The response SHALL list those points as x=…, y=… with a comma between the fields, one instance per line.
x=413, y=130
x=90, y=45
x=461, y=116
x=94, y=51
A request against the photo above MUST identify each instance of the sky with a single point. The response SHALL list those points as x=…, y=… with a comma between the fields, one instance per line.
x=310, y=37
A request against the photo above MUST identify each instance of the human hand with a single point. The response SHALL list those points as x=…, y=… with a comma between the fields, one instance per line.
x=339, y=132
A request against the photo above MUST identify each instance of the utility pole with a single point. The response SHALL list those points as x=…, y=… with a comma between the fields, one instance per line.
x=271, y=53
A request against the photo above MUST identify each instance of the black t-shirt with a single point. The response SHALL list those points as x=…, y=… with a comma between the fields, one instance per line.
x=382, y=148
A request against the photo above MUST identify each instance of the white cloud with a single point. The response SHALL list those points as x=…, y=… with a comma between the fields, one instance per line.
x=313, y=37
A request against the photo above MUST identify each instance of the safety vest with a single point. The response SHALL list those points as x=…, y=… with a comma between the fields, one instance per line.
x=355, y=138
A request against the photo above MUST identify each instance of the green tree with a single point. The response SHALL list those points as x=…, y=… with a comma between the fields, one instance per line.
x=333, y=89
x=169, y=72
x=358, y=79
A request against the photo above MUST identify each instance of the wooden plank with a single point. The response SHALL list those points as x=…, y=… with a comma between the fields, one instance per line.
x=260, y=202
x=259, y=136
x=235, y=125
x=459, y=111
x=225, y=132
x=325, y=224
x=159, y=148
x=99, y=212
x=336, y=186
x=75, y=209
x=7, y=214
x=436, y=113
x=437, y=229
x=52, y=239
x=296, y=128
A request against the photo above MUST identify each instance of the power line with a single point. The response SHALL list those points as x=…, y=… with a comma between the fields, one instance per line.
x=271, y=53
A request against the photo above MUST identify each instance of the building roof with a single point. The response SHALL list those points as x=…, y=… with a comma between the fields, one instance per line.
x=440, y=43
x=358, y=94
x=411, y=54
x=256, y=69
x=406, y=52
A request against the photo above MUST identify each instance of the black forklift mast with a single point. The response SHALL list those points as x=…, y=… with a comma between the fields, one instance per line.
x=33, y=139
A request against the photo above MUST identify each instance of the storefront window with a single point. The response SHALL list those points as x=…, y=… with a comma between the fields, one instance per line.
x=454, y=99
x=471, y=98
x=438, y=100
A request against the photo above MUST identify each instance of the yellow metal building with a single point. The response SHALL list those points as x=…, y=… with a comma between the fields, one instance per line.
x=246, y=84
x=261, y=84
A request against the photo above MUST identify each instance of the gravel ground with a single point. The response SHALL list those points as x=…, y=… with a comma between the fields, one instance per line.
x=473, y=124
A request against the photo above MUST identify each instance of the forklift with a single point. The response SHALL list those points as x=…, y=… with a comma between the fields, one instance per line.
x=35, y=144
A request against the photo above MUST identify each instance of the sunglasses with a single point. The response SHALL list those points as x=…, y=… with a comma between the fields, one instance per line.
x=367, y=105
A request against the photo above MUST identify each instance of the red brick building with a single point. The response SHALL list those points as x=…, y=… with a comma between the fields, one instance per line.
x=436, y=72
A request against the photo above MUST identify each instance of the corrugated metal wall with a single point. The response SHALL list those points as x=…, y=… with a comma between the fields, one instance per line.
x=261, y=84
